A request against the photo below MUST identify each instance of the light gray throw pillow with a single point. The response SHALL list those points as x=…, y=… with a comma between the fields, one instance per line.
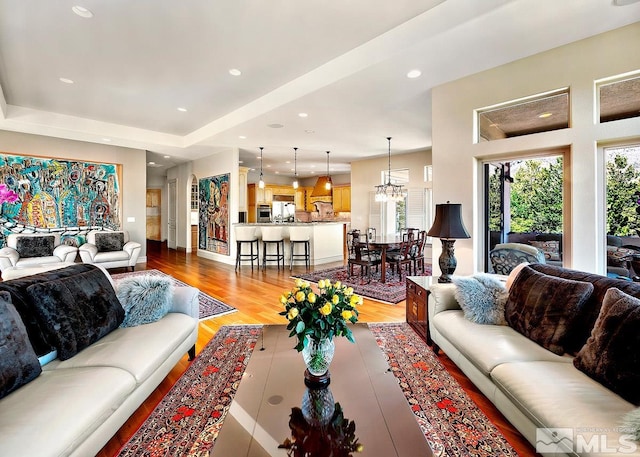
x=482, y=298
x=145, y=298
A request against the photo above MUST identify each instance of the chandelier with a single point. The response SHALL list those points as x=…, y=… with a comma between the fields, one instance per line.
x=261, y=182
x=327, y=184
x=390, y=192
x=295, y=168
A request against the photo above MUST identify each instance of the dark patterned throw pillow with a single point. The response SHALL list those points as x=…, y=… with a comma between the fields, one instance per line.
x=109, y=242
x=35, y=246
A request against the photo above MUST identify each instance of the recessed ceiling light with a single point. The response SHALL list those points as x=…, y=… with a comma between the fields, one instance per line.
x=167, y=157
x=240, y=162
x=66, y=80
x=242, y=137
x=303, y=115
x=184, y=110
x=151, y=163
x=545, y=115
x=106, y=140
x=82, y=11
x=414, y=74
x=235, y=72
x=275, y=126
x=287, y=161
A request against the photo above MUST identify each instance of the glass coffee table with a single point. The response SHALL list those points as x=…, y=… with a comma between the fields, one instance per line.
x=363, y=392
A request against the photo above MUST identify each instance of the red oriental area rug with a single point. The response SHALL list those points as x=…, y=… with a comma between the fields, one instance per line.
x=393, y=290
x=187, y=421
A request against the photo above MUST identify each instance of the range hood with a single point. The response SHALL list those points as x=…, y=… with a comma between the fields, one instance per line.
x=319, y=190
x=283, y=198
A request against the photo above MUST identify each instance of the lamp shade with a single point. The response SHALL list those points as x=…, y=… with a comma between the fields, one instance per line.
x=448, y=222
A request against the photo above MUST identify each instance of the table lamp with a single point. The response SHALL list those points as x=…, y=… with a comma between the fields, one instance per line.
x=448, y=227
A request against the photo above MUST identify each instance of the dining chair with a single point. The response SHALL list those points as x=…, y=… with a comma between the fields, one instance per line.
x=417, y=252
x=360, y=254
x=401, y=257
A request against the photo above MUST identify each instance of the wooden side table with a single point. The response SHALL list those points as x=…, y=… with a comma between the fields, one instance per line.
x=416, y=313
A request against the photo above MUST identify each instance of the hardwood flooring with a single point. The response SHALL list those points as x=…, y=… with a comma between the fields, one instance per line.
x=256, y=296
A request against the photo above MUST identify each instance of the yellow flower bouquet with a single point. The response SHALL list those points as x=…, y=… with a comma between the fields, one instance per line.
x=320, y=315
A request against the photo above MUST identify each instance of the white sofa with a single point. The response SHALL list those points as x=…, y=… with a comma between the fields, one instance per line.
x=95, y=252
x=10, y=257
x=533, y=387
x=75, y=406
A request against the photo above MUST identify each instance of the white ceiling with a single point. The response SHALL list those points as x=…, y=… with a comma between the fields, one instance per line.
x=134, y=63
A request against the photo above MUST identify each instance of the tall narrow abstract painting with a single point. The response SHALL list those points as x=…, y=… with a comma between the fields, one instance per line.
x=52, y=194
x=213, y=220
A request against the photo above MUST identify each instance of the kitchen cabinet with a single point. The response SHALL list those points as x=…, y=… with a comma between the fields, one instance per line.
x=300, y=198
x=342, y=199
x=243, y=200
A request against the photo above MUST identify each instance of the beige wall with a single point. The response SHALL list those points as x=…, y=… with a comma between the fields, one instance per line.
x=367, y=173
x=220, y=162
x=456, y=158
x=133, y=167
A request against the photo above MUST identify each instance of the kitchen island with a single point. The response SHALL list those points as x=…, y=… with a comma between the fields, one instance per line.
x=326, y=240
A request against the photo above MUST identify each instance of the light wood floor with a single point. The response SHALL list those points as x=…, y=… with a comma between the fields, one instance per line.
x=256, y=296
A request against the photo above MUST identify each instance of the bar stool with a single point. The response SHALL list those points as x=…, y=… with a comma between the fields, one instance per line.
x=299, y=235
x=246, y=234
x=272, y=235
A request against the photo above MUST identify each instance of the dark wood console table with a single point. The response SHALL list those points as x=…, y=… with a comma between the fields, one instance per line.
x=416, y=314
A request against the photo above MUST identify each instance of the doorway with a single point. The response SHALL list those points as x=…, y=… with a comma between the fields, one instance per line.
x=171, y=210
x=523, y=201
x=154, y=202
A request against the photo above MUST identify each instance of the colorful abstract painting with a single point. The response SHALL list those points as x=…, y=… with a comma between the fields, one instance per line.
x=213, y=217
x=51, y=194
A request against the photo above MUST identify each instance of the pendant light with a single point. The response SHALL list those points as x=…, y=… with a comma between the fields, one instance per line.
x=295, y=168
x=390, y=192
x=261, y=182
x=327, y=185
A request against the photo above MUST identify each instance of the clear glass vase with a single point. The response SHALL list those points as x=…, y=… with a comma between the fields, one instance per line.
x=318, y=406
x=318, y=355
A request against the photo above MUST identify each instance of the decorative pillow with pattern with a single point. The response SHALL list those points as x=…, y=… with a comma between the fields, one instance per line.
x=109, y=242
x=612, y=353
x=550, y=249
x=616, y=257
x=35, y=246
x=543, y=308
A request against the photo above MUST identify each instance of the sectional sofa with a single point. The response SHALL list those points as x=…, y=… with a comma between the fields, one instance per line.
x=72, y=405
x=564, y=371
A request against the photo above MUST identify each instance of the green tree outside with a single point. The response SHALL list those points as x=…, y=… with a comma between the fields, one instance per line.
x=623, y=194
x=536, y=196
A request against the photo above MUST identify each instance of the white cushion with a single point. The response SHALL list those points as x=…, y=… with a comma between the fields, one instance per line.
x=487, y=346
x=138, y=350
x=42, y=417
x=558, y=395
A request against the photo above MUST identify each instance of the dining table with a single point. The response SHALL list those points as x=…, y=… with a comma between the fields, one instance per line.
x=383, y=243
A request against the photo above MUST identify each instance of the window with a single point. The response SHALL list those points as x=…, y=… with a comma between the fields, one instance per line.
x=524, y=204
x=194, y=195
x=622, y=181
x=535, y=114
x=619, y=98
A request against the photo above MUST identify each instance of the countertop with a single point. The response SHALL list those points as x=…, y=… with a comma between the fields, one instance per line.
x=290, y=224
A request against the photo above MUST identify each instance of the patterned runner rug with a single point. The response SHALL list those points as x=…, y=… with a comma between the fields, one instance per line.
x=188, y=419
x=209, y=306
x=393, y=290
